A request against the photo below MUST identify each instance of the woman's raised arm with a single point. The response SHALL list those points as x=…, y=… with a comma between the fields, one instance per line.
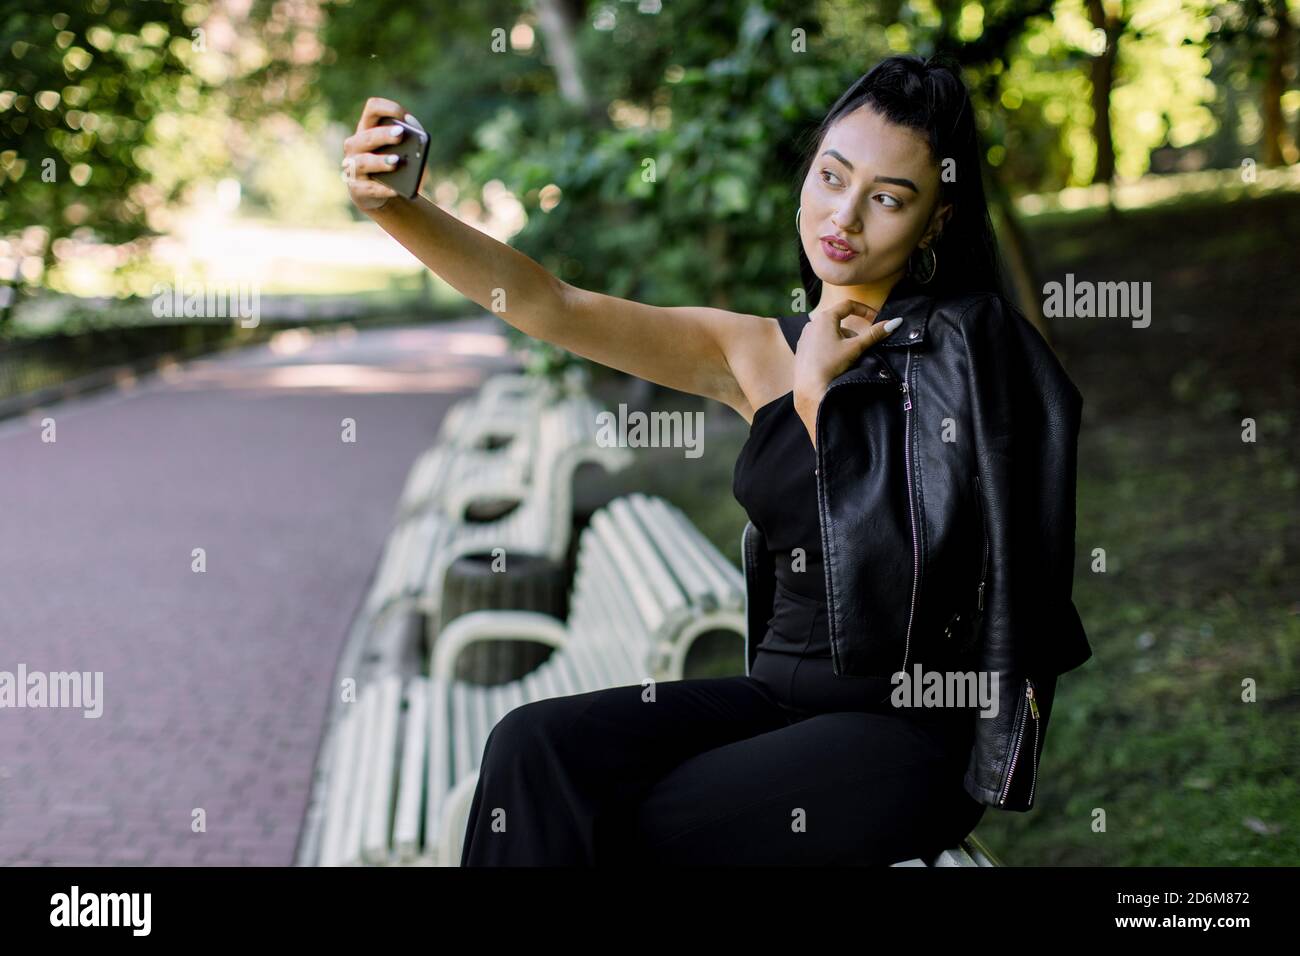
x=689, y=348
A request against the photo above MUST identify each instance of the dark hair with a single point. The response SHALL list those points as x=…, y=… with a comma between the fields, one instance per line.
x=927, y=96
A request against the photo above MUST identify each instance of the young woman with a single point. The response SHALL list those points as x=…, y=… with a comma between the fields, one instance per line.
x=796, y=761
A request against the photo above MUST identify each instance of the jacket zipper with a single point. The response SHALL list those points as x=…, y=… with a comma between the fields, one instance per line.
x=1032, y=709
x=911, y=507
x=984, y=534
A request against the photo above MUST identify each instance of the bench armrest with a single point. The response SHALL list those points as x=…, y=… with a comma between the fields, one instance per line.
x=492, y=626
x=457, y=501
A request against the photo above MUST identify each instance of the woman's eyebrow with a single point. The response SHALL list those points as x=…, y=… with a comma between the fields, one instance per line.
x=895, y=180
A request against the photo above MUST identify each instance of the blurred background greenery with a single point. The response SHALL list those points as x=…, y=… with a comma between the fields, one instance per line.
x=647, y=150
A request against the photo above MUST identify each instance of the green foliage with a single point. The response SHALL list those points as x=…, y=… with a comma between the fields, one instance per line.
x=673, y=183
x=675, y=187
x=79, y=83
x=692, y=198
x=676, y=183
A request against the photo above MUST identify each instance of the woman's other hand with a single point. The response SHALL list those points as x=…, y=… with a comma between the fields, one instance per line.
x=359, y=158
x=827, y=348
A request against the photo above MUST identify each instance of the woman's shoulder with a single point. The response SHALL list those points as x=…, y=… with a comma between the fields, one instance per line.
x=792, y=327
x=964, y=307
x=989, y=324
x=968, y=315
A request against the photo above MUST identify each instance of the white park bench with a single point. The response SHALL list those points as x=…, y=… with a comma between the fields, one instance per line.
x=404, y=762
x=424, y=545
x=489, y=436
x=500, y=408
x=447, y=477
x=405, y=759
x=469, y=418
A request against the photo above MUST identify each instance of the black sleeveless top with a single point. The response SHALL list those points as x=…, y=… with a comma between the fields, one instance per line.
x=774, y=482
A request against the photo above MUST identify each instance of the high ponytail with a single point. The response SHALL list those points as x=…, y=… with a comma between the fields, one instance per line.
x=927, y=96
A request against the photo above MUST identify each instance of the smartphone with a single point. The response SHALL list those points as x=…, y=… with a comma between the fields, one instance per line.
x=413, y=148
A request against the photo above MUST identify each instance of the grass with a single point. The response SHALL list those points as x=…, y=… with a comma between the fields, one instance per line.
x=1155, y=754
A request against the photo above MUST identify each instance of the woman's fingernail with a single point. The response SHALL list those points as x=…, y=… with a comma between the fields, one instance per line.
x=391, y=160
x=893, y=324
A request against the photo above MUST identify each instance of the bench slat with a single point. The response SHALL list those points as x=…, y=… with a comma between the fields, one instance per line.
x=345, y=774
x=440, y=770
x=375, y=845
x=406, y=823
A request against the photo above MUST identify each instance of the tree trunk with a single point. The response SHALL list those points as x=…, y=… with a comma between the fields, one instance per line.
x=1014, y=247
x=1278, y=145
x=1102, y=74
x=556, y=21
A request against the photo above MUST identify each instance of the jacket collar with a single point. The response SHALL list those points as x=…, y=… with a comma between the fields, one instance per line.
x=910, y=302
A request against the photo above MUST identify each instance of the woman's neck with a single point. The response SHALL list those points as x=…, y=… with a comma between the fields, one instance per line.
x=873, y=294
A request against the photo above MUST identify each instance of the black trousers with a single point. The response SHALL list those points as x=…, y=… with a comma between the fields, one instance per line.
x=716, y=771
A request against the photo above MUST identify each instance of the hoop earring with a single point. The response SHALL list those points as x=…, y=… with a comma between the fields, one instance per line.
x=929, y=274
x=797, y=213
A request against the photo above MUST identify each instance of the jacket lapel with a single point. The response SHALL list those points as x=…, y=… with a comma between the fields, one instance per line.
x=907, y=301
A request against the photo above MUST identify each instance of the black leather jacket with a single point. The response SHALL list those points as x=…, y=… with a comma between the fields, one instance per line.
x=946, y=490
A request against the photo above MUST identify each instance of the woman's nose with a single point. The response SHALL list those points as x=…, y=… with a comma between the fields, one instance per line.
x=845, y=222
x=845, y=219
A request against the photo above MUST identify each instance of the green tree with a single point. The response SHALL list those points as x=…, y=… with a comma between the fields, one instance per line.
x=79, y=84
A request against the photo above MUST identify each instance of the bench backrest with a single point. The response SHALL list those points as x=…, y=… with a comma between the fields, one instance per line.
x=644, y=571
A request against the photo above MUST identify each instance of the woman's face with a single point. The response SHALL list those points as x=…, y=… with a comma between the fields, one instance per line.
x=872, y=185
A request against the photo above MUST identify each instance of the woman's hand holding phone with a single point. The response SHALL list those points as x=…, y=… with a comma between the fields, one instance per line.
x=376, y=130
x=468, y=259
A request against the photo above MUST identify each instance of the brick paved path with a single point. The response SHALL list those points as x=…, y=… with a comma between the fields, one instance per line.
x=215, y=684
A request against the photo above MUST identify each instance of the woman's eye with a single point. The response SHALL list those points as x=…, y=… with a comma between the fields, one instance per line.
x=896, y=204
x=827, y=172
